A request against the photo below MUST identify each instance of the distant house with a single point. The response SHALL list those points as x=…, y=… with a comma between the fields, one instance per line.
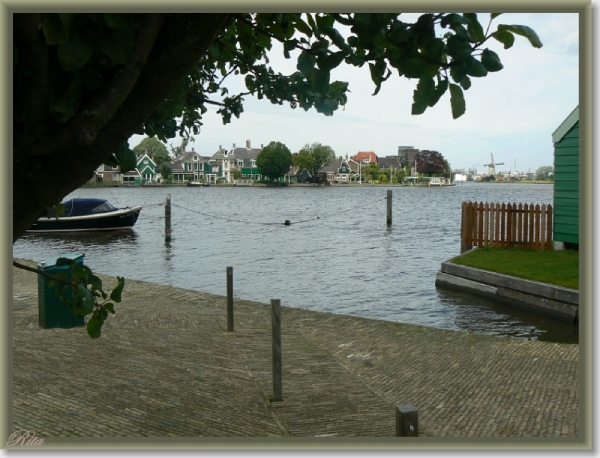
x=338, y=171
x=178, y=173
x=107, y=174
x=199, y=168
x=566, y=182
x=236, y=159
x=365, y=157
x=145, y=171
x=388, y=162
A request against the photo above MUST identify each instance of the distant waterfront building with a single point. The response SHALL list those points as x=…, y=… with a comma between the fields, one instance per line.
x=407, y=153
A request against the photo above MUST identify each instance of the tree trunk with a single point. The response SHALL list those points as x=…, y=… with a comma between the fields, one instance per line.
x=49, y=163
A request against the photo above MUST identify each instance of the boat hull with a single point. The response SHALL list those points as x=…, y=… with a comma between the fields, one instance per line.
x=110, y=221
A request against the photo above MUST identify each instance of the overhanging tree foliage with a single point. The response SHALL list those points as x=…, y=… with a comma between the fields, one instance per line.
x=85, y=83
x=274, y=160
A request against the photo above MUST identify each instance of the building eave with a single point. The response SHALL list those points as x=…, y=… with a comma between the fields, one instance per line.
x=566, y=125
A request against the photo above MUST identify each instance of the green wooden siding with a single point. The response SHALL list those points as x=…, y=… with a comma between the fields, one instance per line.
x=566, y=187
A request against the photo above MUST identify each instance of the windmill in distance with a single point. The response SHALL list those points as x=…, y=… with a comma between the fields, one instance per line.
x=492, y=167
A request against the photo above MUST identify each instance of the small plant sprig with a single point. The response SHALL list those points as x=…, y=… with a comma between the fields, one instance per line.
x=84, y=294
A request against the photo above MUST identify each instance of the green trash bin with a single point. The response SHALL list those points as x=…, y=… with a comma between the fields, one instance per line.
x=53, y=313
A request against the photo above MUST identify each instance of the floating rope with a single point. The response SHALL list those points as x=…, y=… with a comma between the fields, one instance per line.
x=287, y=222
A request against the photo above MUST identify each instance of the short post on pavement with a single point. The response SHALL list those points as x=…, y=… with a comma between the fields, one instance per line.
x=389, y=207
x=230, y=299
x=407, y=421
x=276, y=341
x=168, y=219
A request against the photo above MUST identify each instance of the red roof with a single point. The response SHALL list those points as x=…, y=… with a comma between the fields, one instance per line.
x=362, y=155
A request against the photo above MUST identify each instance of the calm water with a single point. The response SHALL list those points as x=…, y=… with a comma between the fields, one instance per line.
x=337, y=255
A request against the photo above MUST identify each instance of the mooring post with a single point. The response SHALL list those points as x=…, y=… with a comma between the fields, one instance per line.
x=168, y=219
x=407, y=421
x=276, y=342
x=389, y=207
x=230, y=299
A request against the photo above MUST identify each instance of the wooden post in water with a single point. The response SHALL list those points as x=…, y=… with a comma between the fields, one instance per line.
x=168, y=219
x=389, y=207
x=230, y=299
x=276, y=343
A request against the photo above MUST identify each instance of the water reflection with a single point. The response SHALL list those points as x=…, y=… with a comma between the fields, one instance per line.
x=81, y=241
x=486, y=316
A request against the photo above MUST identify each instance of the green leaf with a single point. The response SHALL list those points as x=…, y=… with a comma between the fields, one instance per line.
x=400, y=34
x=94, y=327
x=319, y=80
x=476, y=68
x=81, y=271
x=458, y=47
x=491, y=61
x=377, y=70
x=95, y=282
x=305, y=64
x=87, y=299
x=465, y=82
x=494, y=15
x=457, y=101
x=524, y=31
x=125, y=158
x=74, y=53
x=116, y=293
x=439, y=91
x=434, y=50
x=504, y=37
x=453, y=19
x=53, y=29
x=422, y=94
x=474, y=29
x=110, y=307
x=335, y=35
x=331, y=61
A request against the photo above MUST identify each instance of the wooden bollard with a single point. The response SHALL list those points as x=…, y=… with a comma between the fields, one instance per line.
x=407, y=421
x=276, y=343
x=168, y=219
x=230, y=299
x=389, y=207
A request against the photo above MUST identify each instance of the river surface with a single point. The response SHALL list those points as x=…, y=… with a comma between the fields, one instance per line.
x=337, y=254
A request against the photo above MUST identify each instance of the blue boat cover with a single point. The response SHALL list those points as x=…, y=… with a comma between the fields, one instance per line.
x=81, y=206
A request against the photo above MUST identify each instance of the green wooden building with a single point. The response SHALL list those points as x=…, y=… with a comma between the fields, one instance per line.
x=566, y=182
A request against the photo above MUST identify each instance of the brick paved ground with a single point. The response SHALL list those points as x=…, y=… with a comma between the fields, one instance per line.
x=165, y=366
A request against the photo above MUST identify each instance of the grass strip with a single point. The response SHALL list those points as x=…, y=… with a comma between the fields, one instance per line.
x=555, y=267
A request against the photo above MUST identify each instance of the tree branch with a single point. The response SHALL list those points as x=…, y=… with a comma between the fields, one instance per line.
x=41, y=272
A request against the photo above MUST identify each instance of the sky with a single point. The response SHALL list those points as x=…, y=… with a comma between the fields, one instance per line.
x=510, y=114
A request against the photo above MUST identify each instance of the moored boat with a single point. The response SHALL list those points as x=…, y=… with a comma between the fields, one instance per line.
x=88, y=214
x=196, y=184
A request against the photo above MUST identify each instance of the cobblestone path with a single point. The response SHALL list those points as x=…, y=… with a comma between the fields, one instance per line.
x=165, y=366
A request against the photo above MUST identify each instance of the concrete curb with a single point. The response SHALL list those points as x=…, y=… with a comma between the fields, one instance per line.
x=541, y=298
